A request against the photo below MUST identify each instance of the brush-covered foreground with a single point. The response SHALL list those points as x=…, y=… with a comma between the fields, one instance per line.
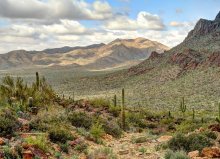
x=37, y=123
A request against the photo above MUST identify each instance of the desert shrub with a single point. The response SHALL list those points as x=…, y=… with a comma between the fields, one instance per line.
x=115, y=111
x=64, y=147
x=8, y=153
x=59, y=134
x=100, y=102
x=8, y=122
x=189, y=126
x=140, y=139
x=46, y=120
x=85, y=133
x=81, y=147
x=136, y=119
x=189, y=143
x=38, y=141
x=97, y=131
x=198, y=142
x=210, y=134
x=151, y=125
x=176, y=155
x=111, y=127
x=80, y=119
x=102, y=152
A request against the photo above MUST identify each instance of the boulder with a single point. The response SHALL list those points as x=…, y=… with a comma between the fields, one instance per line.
x=165, y=138
x=211, y=152
x=193, y=154
x=2, y=141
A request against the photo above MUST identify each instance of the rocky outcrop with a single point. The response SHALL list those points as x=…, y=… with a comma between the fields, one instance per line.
x=211, y=152
x=188, y=59
x=204, y=27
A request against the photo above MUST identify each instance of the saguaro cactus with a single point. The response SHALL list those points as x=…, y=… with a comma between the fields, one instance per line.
x=183, y=106
x=193, y=114
x=115, y=100
x=30, y=102
x=218, y=118
x=37, y=80
x=123, y=110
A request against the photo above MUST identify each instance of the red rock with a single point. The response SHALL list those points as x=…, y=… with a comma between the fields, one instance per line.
x=164, y=138
x=211, y=152
x=2, y=141
x=215, y=127
x=193, y=154
x=28, y=154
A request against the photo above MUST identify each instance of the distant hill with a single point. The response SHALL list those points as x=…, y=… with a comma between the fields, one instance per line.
x=117, y=54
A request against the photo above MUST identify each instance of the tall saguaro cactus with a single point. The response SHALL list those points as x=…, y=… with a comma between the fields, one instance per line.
x=123, y=110
x=115, y=100
x=183, y=106
x=37, y=80
x=218, y=118
x=193, y=114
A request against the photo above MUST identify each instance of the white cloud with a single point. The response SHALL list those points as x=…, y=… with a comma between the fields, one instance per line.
x=36, y=25
x=144, y=20
x=55, y=9
x=181, y=24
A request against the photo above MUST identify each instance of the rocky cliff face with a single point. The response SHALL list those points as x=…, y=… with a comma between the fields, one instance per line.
x=204, y=27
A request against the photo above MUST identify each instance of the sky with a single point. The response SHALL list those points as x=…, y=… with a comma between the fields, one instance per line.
x=41, y=24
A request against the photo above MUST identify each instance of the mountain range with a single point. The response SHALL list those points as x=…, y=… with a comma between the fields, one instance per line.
x=190, y=70
x=116, y=54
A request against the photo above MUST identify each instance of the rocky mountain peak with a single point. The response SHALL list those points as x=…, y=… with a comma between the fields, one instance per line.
x=204, y=27
x=218, y=17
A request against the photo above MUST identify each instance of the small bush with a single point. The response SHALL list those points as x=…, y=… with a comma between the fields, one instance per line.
x=176, y=155
x=100, y=102
x=64, y=147
x=188, y=126
x=97, y=131
x=189, y=143
x=8, y=122
x=80, y=119
x=140, y=139
x=210, y=134
x=137, y=119
x=60, y=135
x=81, y=147
x=39, y=141
x=102, y=153
x=198, y=142
x=115, y=111
x=111, y=128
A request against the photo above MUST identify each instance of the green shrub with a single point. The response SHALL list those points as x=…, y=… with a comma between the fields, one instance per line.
x=60, y=135
x=176, y=155
x=210, y=134
x=97, y=131
x=115, y=111
x=100, y=102
x=8, y=122
x=136, y=119
x=198, y=142
x=111, y=128
x=140, y=139
x=189, y=143
x=81, y=147
x=102, y=153
x=80, y=119
x=64, y=147
x=39, y=141
x=189, y=126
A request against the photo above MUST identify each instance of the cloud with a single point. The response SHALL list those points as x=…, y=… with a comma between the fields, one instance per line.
x=144, y=20
x=55, y=9
x=181, y=24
